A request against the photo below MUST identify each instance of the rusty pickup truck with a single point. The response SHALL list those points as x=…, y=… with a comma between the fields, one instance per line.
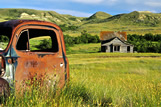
x=29, y=49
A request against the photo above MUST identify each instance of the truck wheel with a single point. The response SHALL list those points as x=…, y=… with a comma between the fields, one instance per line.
x=4, y=89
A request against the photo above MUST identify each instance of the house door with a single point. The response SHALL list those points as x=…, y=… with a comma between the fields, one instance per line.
x=128, y=48
x=103, y=48
x=111, y=48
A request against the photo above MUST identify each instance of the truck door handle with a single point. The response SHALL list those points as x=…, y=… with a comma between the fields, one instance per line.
x=61, y=64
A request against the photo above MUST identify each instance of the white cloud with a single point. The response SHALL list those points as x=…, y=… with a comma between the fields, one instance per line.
x=134, y=1
x=111, y=2
x=88, y=1
x=72, y=12
x=150, y=10
x=153, y=4
x=97, y=2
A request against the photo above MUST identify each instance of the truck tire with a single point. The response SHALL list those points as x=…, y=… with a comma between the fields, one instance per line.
x=4, y=89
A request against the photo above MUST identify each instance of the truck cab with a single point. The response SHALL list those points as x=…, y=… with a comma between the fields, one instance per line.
x=31, y=49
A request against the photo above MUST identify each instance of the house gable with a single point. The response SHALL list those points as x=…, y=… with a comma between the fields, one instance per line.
x=116, y=45
x=114, y=41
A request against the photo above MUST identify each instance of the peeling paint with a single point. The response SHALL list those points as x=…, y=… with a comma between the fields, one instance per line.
x=22, y=64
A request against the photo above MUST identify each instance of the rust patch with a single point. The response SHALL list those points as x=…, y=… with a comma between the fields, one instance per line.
x=50, y=64
x=29, y=64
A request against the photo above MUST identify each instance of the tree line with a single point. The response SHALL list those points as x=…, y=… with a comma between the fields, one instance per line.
x=142, y=43
x=84, y=38
x=146, y=43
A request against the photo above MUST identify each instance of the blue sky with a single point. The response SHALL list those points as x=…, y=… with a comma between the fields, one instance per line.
x=85, y=8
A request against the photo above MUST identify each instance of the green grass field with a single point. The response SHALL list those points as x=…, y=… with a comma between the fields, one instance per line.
x=103, y=79
x=84, y=48
x=120, y=81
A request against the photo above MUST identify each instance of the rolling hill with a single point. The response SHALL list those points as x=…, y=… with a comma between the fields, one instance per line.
x=137, y=18
x=139, y=22
x=98, y=16
x=52, y=16
x=135, y=22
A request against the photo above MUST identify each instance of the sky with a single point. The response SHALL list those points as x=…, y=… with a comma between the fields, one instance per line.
x=85, y=8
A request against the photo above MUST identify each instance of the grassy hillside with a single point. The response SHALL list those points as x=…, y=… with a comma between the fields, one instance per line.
x=8, y=14
x=136, y=22
x=137, y=18
x=133, y=23
x=97, y=17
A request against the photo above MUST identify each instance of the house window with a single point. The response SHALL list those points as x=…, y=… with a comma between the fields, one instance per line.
x=128, y=48
x=116, y=48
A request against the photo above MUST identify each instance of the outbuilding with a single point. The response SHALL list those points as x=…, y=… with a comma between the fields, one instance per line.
x=115, y=42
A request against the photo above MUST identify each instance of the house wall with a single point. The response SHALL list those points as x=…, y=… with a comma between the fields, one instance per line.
x=117, y=42
x=123, y=49
x=108, y=49
x=131, y=49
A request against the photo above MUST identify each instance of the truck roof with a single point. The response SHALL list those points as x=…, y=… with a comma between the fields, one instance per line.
x=14, y=23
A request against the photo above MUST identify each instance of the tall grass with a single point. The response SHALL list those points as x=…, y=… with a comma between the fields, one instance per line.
x=127, y=81
x=101, y=81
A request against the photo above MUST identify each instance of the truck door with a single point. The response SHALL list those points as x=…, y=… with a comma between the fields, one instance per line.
x=39, y=56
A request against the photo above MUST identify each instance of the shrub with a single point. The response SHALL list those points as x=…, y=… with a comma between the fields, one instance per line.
x=146, y=43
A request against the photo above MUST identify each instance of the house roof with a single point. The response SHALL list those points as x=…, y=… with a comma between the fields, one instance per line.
x=109, y=41
x=108, y=35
